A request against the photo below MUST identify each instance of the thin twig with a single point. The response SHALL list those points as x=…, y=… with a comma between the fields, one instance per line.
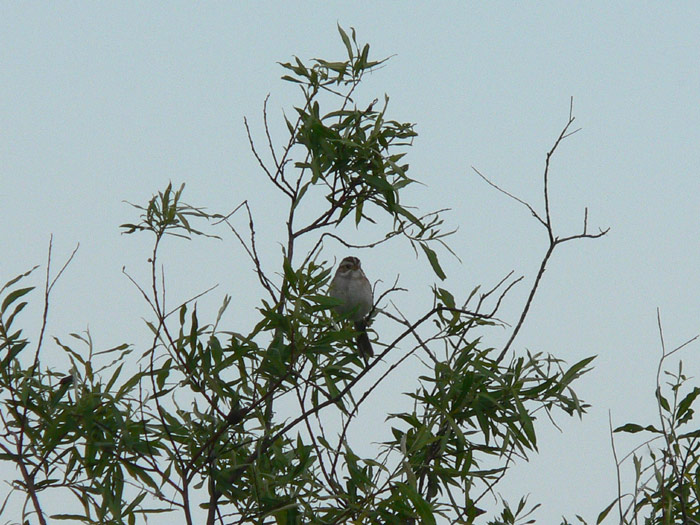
x=191, y=299
x=528, y=303
x=517, y=199
x=251, y=251
x=617, y=467
x=273, y=178
x=47, y=292
x=269, y=138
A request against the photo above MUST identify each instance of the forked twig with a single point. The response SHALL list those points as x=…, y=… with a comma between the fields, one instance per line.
x=286, y=189
x=252, y=250
x=554, y=241
x=47, y=292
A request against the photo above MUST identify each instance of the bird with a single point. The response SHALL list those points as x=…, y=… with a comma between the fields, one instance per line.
x=351, y=286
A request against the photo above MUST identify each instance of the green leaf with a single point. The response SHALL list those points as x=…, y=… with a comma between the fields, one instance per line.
x=526, y=422
x=18, y=308
x=663, y=402
x=291, y=79
x=378, y=183
x=575, y=371
x=300, y=195
x=289, y=273
x=425, y=512
x=605, y=512
x=114, y=377
x=13, y=296
x=16, y=279
x=346, y=41
x=130, y=383
x=687, y=401
x=633, y=428
x=432, y=257
x=72, y=517
x=325, y=302
x=358, y=211
x=163, y=374
x=446, y=297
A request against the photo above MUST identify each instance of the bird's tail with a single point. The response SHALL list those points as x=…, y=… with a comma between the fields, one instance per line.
x=364, y=347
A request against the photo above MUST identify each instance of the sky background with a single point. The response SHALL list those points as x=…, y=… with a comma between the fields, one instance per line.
x=105, y=103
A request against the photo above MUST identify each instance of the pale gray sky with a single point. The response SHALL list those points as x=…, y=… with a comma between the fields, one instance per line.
x=101, y=103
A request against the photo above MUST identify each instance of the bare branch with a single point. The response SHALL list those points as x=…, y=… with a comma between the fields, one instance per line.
x=582, y=236
x=404, y=321
x=252, y=249
x=63, y=268
x=354, y=246
x=617, y=468
x=504, y=293
x=47, y=292
x=269, y=138
x=190, y=300
x=528, y=303
x=517, y=199
x=286, y=189
x=140, y=289
x=547, y=222
x=663, y=344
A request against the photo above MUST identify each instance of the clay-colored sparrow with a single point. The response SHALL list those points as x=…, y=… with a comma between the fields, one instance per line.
x=352, y=287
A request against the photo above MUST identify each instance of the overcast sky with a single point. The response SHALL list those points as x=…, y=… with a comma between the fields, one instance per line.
x=102, y=103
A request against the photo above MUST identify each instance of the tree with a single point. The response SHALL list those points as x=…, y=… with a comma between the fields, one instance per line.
x=666, y=482
x=198, y=424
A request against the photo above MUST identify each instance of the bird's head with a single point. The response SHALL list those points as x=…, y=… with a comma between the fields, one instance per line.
x=349, y=264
